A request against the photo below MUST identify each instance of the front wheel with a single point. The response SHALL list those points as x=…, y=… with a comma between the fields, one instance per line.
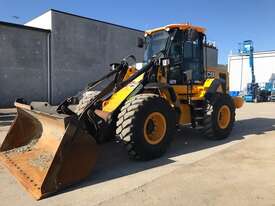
x=146, y=125
x=85, y=99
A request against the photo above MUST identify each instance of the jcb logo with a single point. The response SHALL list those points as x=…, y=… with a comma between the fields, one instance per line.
x=211, y=74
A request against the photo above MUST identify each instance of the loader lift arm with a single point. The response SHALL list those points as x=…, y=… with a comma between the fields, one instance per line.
x=118, y=70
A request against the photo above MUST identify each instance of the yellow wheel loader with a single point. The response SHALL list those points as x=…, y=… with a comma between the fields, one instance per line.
x=49, y=148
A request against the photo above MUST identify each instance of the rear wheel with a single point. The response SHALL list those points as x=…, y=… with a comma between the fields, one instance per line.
x=220, y=118
x=146, y=125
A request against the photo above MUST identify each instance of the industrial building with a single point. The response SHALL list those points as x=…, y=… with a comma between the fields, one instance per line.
x=240, y=71
x=57, y=54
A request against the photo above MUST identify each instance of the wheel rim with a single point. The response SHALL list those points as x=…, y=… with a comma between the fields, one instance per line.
x=154, y=128
x=224, y=116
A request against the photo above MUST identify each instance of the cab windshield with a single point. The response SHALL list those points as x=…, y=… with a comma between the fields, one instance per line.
x=155, y=43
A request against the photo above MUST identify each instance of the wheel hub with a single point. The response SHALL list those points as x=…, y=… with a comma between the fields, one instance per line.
x=154, y=128
x=224, y=116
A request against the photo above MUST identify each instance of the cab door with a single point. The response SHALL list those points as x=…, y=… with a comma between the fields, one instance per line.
x=186, y=58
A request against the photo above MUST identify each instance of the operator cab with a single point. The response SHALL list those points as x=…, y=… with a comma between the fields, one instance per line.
x=183, y=45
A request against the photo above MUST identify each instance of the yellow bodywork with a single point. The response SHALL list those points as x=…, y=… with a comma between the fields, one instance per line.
x=129, y=72
x=117, y=98
x=185, y=117
x=197, y=92
x=213, y=72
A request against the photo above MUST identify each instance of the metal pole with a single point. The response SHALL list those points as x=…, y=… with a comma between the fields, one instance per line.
x=49, y=69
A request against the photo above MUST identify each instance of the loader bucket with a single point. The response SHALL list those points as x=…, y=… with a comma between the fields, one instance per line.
x=47, y=152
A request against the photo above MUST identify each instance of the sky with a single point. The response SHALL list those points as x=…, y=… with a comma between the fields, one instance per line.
x=227, y=22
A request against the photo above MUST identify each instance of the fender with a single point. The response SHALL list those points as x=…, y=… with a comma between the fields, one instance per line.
x=213, y=86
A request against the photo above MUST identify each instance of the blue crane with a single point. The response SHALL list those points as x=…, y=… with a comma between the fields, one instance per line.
x=246, y=48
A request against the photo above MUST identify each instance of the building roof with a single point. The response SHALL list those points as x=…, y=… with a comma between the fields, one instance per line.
x=178, y=26
x=22, y=26
x=88, y=18
x=269, y=52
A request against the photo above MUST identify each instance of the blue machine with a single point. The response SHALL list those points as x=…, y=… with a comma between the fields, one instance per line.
x=234, y=93
x=246, y=48
x=272, y=93
x=269, y=86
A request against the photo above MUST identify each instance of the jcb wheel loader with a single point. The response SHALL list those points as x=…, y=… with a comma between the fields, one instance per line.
x=48, y=149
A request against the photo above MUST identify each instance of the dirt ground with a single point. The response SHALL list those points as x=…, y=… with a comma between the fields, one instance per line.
x=236, y=171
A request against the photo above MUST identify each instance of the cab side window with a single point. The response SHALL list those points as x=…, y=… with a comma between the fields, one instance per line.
x=193, y=55
x=175, y=75
x=186, y=57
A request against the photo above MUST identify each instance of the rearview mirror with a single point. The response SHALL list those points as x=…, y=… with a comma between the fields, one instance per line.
x=140, y=42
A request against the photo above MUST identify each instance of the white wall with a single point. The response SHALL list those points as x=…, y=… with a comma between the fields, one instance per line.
x=43, y=22
x=240, y=72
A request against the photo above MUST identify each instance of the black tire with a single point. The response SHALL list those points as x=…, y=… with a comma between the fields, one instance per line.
x=85, y=98
x=108, y=131
x=211, y=128
x=131, y=123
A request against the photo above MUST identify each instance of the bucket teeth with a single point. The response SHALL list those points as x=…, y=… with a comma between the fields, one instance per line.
x=47, y=152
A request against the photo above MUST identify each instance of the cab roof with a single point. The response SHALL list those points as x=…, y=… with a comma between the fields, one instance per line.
x=176, y=26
